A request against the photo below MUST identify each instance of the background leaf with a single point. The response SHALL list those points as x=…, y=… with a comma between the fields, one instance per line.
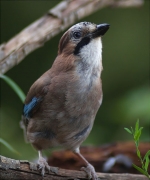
x=14, y=86
x=138, y=154
x=128, y=130
x=146, y=155
x=140, y=170
x=147, y=163
x=8, y=146
x=137, y=126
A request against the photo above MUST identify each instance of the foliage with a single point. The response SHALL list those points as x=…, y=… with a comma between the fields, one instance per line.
x=14, y=86
x=21, y=95
x=8, y=146
x=145, y=162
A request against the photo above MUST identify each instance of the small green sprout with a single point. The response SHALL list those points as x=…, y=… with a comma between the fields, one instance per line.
x=145, y=162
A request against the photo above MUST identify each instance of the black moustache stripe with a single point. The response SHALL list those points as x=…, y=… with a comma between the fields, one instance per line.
x=81, y=44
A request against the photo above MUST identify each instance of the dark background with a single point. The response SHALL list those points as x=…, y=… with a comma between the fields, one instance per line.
x=125, y=76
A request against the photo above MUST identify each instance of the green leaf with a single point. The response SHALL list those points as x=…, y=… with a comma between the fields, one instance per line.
x=132, y=130
x=147, y=163
x=141, y=129
x=137, y=144
x=8, y=146
x=14, y=86
x=146, y=155
x=140, y=170
x=138, y=154
x=137, y=135
x=137, y=126
x=128, y=130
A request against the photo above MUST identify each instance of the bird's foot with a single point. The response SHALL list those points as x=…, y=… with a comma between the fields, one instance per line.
x=89, y=169
x=43, y=165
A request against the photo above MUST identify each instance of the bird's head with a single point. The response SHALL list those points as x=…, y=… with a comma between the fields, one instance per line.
x=79, y=36
x=80, y=48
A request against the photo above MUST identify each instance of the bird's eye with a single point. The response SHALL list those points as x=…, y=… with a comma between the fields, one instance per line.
x=77, y=35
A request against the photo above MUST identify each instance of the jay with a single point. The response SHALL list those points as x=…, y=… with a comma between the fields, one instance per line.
x=60, y=107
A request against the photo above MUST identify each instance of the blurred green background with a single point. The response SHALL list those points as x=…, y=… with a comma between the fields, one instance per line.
x=125, y=76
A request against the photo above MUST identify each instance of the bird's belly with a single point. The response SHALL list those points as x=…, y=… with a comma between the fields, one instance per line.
x=67, y=125
x=81, y=107
x=76, y=138
x=64, y=132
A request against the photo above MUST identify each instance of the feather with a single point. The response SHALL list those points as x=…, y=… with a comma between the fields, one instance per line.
x=28, y=108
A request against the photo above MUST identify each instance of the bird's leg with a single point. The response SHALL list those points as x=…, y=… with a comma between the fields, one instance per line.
x=89, y=169
x=43, y=165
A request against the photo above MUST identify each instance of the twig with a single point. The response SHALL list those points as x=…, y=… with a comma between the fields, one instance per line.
x=57, y=19
x=18, y=169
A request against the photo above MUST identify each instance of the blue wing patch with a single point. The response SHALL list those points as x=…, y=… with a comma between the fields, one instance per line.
x=27, y=109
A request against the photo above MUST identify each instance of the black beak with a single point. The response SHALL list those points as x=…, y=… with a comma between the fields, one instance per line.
x=101, y=29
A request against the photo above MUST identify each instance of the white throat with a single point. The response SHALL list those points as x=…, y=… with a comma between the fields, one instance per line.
x=91, y=58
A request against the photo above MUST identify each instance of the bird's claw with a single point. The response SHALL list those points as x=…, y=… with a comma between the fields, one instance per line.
x=43, y=165
x=89, y=169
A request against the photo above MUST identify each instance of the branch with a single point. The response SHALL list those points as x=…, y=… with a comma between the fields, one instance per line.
x=57, y=19
x=19, y=169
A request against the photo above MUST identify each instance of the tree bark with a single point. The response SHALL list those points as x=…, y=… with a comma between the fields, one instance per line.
x=18, y=169
x=57, y=19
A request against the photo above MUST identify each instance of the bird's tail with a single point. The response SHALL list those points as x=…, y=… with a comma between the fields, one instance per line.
x=24, y=127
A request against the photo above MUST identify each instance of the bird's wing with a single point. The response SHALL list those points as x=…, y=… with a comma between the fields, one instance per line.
x=35, y=96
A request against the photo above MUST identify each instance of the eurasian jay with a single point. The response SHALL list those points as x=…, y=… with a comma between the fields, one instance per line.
x=61, y=105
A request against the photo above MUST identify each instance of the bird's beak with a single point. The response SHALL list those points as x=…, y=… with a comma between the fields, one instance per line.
x=101, y=29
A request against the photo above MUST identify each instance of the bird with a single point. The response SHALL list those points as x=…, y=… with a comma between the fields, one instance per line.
x=61, y=105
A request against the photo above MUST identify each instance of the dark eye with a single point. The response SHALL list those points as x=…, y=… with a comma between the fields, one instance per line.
x=76, y=35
